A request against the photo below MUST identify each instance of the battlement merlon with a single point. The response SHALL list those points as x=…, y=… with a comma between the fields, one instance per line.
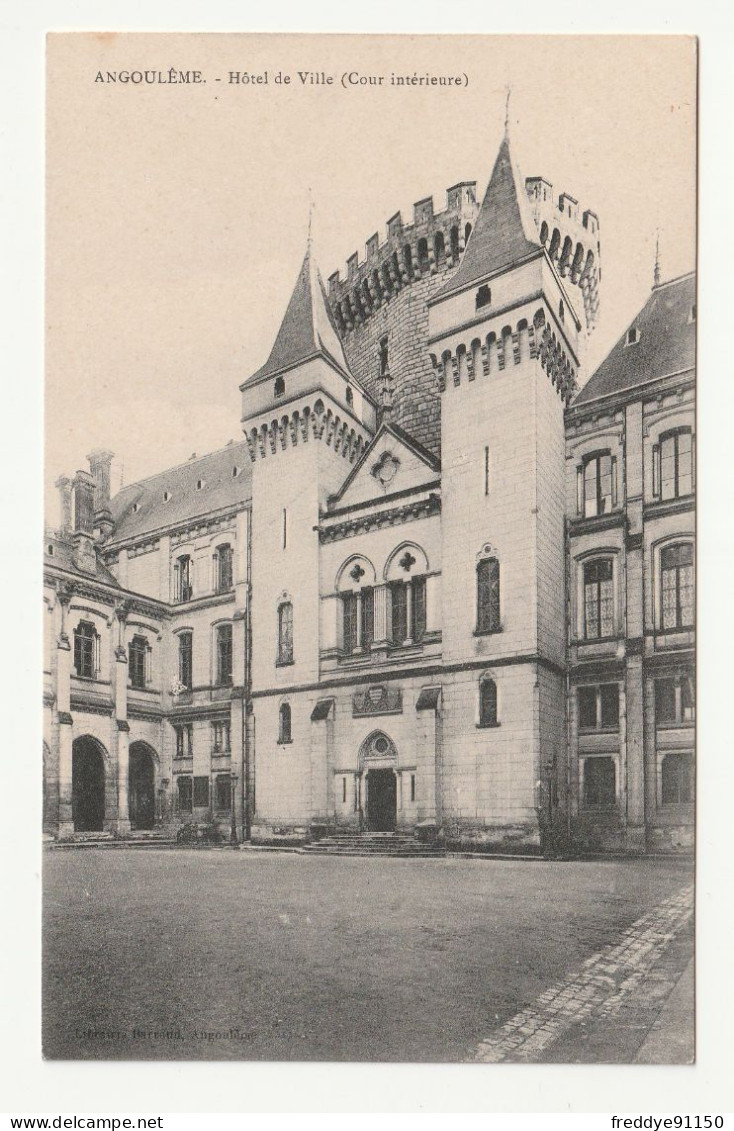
x=571, y=238
x=461, y=205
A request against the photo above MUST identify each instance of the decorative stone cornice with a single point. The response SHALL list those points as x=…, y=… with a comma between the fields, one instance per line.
x=362, y=524
x=300, y=425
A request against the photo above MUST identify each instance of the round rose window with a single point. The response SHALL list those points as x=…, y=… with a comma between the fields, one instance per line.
x=382, y=745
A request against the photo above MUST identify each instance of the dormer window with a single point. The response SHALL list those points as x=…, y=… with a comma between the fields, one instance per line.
x=633, y=336
x=349, y=396
x=199, y=484
x=50, y=550
x=561, y=311
x=166, y=496
x=483, y=297
x=235, y=472
x=136, y=508
x=279, y=387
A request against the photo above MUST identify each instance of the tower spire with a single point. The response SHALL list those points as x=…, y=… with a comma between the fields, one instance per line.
x=508, y=94
x=656, y=269
x=309, y=238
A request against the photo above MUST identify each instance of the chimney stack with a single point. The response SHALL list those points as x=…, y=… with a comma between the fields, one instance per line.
x=100, y=463
x=63, y=485
x=84, y=555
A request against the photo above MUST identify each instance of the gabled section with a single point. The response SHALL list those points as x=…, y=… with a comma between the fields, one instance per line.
x=659, y=342
x=393, y=464
x=307, y=331
x=504, y=234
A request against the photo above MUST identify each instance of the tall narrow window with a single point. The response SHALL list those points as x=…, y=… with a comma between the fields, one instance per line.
x=367, y=613
x=224, y=655
x=384, y=356
x=285, y=633
x=285, y=528
x=279, y=387
x=677, y=589
x=185, y=794
x=223, y=784
x=487, y=703
x=85, y=650
x=223, y=568
x=137, y=661
x=598, y=599
x=220, y=737
x=183, y=590
x=284, y=723
x=418, y=609
x=399, y=612
x=486, y=471
x=185, y=658
x=673, y=465
x=184, y=740
x=201, y=792
x=599, y=484
x=488, y=595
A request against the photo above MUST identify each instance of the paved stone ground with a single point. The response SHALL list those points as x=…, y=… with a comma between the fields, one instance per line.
x=222, y=955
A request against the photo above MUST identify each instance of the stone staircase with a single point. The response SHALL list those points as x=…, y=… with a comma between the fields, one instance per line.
x=346, y=843
x=143, y=838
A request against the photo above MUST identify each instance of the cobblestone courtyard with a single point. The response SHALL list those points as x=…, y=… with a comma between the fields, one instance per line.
x=225, y=955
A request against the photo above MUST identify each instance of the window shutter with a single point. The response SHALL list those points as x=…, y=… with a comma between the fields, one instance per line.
x=614, y=481
x=656, y=470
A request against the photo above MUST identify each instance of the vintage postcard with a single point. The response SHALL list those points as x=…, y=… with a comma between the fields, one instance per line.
x=369, y=570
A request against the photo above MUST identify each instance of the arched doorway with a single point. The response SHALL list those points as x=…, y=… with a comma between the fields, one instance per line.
x=87, y=785
x=378, y=760
x=141, y=789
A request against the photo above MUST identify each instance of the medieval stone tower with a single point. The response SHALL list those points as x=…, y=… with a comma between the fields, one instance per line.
x=306, y=420
x=504, y=339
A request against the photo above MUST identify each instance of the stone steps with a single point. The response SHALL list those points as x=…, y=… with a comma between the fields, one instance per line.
x=153, y=838
x=371, y=844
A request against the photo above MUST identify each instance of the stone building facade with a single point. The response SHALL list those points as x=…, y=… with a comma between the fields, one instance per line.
x=434, y=589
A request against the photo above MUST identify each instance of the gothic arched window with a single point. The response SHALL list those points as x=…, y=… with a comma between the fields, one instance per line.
x=285, y=633
x=487, y=703
x=284, y=723
x=488, y=595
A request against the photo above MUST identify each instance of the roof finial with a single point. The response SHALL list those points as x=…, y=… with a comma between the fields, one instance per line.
x=507, y=111
x=309, y=240
x=656, y=270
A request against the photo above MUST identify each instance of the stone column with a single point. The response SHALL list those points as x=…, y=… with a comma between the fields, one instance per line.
x=635, y=784
x=122, y=824
x=237, y=761
x=63, y=708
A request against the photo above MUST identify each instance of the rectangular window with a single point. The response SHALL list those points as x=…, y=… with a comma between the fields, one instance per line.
x=486, y=471
x=349, y=622
x=674, y=701
x=488, y=595
x=418, y=611
x=85, y=650
x=137, y=657
x=665, y=701
x=399, y=612
x=599, y=485
x=223, y=561
x=185, y=658
x=676, y=464
x=609, y=704
x=183, y=590
x=368, y=617
x=599, y=783
x=678, y=599
x=224, y=655
x=201, y=792
x=687, y=700
x=344, y=791
x=285, y=528
x=220, y=737
x=184, y=794
x=677, y=778
x=223, y=787
x=587, y=708
x=184, y=740
x=412, y=787
x=598, y=599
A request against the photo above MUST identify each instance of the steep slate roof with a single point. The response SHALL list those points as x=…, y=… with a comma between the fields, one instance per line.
x=666, y=343
x=62, y=558
x=221, y=488
x=307, y=330
x=504, y=232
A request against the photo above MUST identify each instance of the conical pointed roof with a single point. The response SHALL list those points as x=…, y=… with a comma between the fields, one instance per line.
x=504, y=232
x=307, y=330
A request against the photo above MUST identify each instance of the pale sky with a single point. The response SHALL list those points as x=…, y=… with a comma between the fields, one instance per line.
x=176, y=215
